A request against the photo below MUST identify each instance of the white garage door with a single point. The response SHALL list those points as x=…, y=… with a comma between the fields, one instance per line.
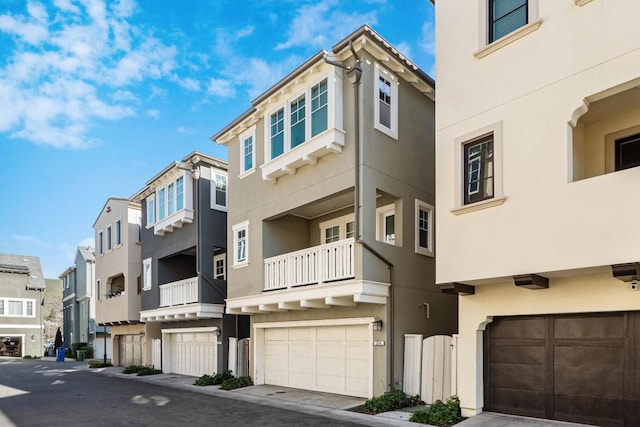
x=332, y=359
x=193, y=353
x=130, y=350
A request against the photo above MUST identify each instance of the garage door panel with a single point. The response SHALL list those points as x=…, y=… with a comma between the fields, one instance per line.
x=587, y=363
x=358, y=334
x=318, y=358
x=193, y=353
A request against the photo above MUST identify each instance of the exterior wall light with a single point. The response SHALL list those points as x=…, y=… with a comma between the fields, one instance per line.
x=377, y=324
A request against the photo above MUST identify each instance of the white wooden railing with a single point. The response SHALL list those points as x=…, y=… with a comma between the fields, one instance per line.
x=180, y=292
x=319, y=264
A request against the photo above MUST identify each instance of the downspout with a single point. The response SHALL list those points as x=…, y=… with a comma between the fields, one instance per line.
x=354, y=74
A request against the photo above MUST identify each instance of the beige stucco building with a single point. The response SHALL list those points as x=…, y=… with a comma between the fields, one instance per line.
x=537, y=150
x=331, y=289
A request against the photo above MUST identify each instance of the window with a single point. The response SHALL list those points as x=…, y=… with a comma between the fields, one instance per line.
x=478, y=170
x=319, y=107
x=161, y=203
x=17, y=307
x=298, y=130
x=337, y=229
x=288, y=125
x=386, y=105
x=151, y=210
x=628, y=152
x=109, y=241
x=98, y=290
x=118, y=232
x=241, y=244
x=386, y=224
x=219, y=267
x=506, y=16
x=171, y=199
x=180, y=193
x=277, y=133
x=100, y=243
x=146, y=274
x=247, y=151
x=219, y=191
x=424, y=228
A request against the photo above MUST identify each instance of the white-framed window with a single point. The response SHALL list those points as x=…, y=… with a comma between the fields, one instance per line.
x=118, y=232
x=248, y=151
x=297, y=121
x=386, y=101
x=219, y=267
x=337, y=229
x=179, y=194
x=505, y=21
x=17, y=307
x=162, y=203
x=109, y=238
x=241, y=244
x=424, y=228
x=171, y=199
x=151, y=210
x=146, y=274
x=478, y=169
x=100, y=242
x=386, y=224
x=219, y=191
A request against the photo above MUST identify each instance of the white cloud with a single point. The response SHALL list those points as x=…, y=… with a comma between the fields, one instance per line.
x=187, y=83
x=427, y=41
x=154, y=114
x=320, y=24
x=185, y=130
x=29, y=240
x=89, y=241
x=404, y=48
x=222, y=88
x=72, y=67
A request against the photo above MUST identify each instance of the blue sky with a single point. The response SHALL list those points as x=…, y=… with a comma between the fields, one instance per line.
x=97, y=96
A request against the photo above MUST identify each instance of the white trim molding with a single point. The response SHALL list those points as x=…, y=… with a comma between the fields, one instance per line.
x=189, y=330
x=18, y=326
x=183, y=312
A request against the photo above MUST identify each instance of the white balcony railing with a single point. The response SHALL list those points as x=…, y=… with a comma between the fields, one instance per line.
x=324, y=263
x=179, y=293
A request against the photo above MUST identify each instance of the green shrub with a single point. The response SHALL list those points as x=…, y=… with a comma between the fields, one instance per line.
x=390, y=401
x=98, y=364
x=439, y=414
x=88, y=352
x=233, y=383
x=132, y=369
x=147, y=370
x=204, y=380
x=215, y=379
x=28, y=357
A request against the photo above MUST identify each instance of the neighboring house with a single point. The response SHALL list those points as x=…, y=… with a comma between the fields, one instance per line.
x=21, y=291
x=78, y=303
x=538, y=148
x=332, y=290
x=184, y=257
x=117, y=284
x=52, y=309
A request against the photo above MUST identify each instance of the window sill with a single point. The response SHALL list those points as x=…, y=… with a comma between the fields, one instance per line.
x=392, y=133
x=425, y=252
x=485, y=204
x=247, y=173
x=508, y=39
x=242, y=265
x=582, y=2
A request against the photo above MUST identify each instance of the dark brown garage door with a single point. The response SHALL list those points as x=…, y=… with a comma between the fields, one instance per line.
x=581, y=367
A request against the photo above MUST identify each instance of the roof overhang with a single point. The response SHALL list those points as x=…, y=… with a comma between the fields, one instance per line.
x=183, y=312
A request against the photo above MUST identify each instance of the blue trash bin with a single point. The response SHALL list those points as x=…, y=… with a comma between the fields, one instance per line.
x=61, y=353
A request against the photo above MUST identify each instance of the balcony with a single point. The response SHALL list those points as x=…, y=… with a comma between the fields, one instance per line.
x=316, y=265
x=179, y=293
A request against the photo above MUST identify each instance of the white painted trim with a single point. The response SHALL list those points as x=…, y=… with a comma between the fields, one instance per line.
x=394, y=82
x=322, y=322
x=484, y=47
x=244, y=225
x=483, y=204
x=189, y=330
x=429, y=250
x=23, y=337
x=249, y=133
x=508, y=39
x=381, y=214
x=147, y=283
x=215, y=173
x=19, y=326
x=341, y=222
x=183, y=313
x=68, y=297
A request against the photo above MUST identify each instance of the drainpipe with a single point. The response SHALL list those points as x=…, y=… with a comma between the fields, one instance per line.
x=354, y=73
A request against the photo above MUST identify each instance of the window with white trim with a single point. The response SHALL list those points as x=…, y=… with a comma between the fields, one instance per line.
x=100, y=242
x=247, y=151
x=295, y=123
x=162, y=203
x=337, y=229
x=17, y=307
x=146, y=274
x=109, y=239
x=219, y=191
x=478, y=170
x=179, y=194
x=219, y=267
x=424, y=228
x=151, y=210
x=241, y=244
x=119, y=232
x=171, y=199
x=386, y=104
x=386, y=224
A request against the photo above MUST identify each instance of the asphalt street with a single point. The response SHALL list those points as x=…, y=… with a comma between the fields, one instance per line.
x=35, y=393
